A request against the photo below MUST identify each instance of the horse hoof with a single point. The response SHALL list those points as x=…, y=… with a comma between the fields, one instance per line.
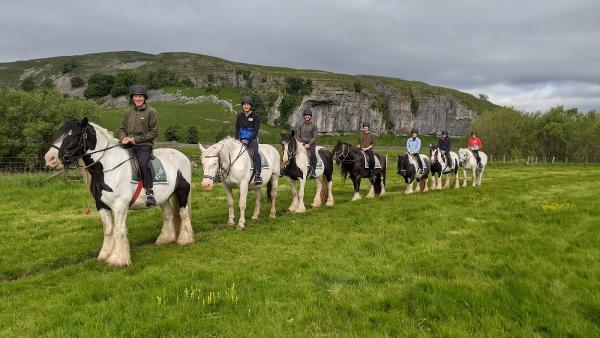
x=118, y=263
x=240, y=227
x=273, y=216
x=164, y=240
x=315, y=205
x=329, y=204
x=255, y=218
x=291, y=209
x=300, y=211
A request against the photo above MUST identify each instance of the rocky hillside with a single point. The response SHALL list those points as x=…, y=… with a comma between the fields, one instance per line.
x=339, y=102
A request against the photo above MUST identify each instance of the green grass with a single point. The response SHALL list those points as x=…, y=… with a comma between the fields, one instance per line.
x=516, y=257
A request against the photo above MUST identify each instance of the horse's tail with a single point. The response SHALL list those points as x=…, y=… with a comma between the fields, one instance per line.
x=324, y=188
x=176, y=217
x=270, y=191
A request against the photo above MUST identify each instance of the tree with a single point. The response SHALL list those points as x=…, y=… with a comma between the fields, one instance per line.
x=99, y=85
x=123, y=81
x=28, y=84
x=28, y=120
x=47, y=84
x=175, y=133
x=77, y=82
x=192, y=135
x=484, y=97
x=357, y=87
x=69, y=66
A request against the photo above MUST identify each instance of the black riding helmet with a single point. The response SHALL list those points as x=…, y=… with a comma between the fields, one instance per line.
x=138, y=90
x=248, y=100
x=444, y=132
x=366, y=124
x=307, y=112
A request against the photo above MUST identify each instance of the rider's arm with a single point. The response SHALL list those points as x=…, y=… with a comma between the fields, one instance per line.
x=255, y=126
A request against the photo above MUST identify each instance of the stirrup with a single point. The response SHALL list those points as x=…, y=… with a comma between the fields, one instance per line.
x=258, y=180
x=150, y=201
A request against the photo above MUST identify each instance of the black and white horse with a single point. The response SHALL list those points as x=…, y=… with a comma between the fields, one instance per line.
x=352, y=162
x=440, y=167
x=110, y=167
x=468, y=161
x=296, y=161
x=407, y=168
x=230, y=161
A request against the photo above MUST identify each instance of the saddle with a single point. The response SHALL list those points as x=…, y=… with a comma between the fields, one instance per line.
x=377, y=163
x=319, y=161
x=263, y=160
x=159, y=176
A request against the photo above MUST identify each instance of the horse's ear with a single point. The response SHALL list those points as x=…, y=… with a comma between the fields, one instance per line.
x=202, y=149
x=84, y=122
x=430, y=145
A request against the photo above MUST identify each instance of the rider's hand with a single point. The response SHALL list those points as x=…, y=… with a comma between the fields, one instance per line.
x=306, y=145
x=244, y=141
x=125, y=140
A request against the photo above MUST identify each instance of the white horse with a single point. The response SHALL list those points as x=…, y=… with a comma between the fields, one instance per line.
x=110, y=167
x=439, y=168
x=296, y=162
x=230, y=161
x=468, y=161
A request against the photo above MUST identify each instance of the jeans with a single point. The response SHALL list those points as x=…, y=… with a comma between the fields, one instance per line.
x=417, y=157
x=371, y=158
x=312, y=151
x=253, y=144
x=142, y=154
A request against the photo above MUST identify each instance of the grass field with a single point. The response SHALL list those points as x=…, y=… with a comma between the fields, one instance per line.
x=518, y=256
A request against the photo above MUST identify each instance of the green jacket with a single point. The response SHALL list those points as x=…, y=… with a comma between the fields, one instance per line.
x=307, y=133
x=141, y=124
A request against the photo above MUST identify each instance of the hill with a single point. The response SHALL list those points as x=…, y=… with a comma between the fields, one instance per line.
x=340, y=101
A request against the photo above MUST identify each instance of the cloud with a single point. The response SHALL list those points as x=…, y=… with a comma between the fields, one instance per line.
x=525, y=45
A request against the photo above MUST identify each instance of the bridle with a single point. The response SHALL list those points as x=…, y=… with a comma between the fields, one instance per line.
x=346, y=149
x=83, y=144
x=224, y=173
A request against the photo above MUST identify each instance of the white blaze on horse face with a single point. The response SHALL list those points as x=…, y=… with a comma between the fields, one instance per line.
x=285, y=158
x=51, y=156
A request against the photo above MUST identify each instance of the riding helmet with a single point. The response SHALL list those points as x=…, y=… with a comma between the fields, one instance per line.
x=414, y=131
x=248, y=100
x=366, y=124
x=444, y=132
x=138, y=90
x=307, y=112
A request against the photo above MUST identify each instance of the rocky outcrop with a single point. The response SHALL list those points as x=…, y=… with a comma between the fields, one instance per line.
x=161, y=96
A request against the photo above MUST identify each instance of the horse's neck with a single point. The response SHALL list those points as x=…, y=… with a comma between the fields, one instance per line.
x=108, y=157
x=230, y=152
x=300, y=150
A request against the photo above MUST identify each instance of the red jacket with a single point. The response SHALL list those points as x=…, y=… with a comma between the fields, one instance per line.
x=474, y=141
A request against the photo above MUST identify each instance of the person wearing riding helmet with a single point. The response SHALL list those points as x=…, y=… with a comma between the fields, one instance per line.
x=139, y=128
x=307, y=133
x=413, y=147
x=246, y=131
x=445, y=144
x=474, y=144
x=366, y=142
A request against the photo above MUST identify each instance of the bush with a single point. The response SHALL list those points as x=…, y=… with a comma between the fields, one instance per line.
x=357, y=87
x=47, y=84
x=77, y=82
x=160, y=78
x=69, y=66
x=122, y=83
x=99, y=85
x=175, y=133
x=192, y=135
x=28, y=84
x=28, y=120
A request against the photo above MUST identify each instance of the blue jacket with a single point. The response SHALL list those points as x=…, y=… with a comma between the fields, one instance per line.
x=246, y=127
x=413, y=146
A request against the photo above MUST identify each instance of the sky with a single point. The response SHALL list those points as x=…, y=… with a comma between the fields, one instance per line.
x=531, y=55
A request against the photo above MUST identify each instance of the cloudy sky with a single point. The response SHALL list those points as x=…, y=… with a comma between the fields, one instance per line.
x=528, y=54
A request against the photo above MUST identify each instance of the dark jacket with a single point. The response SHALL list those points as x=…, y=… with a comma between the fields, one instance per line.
x=246, y=127
x=307, y=133
x=141, y=124
x=366, y=139
x=445, y=144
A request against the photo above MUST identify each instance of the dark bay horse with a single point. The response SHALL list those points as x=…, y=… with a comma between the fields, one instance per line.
x=351, y=161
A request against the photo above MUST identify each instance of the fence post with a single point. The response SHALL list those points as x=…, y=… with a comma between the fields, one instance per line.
x=527, y=159
x=504, y=158
x=566, y=159
x=491, y=156
x=586, y=160
x=553, y=158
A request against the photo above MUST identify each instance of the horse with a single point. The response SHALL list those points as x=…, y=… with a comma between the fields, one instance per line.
x=110, y=167
x=468, y=161
x=296, y=162
x=440, y=167
x=407, y=168
x=351, y=160
x=230, y=161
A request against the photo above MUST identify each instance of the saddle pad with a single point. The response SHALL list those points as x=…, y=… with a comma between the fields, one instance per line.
x=160, y=176
x=377, y=163
x=319, y=161
x=263, y=161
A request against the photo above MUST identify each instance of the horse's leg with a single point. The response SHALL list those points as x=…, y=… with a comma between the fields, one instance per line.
x=425, y=184
x=186, y=234
x=229, y=193
x=329, y=194
x=356, y=183
x=317, y=200
x=371, y=193
x=439, y=184
x=456, y=180
x=120, y=255
x=301, y=208
x=274, y=187
x=256, y=213
x=448, y=180
x=242, y=205
x=294, y=204
x=167, y=234
x=107, y=225
x=474, y=176
x=419, y=185
x=464, y=178
x=480, y=176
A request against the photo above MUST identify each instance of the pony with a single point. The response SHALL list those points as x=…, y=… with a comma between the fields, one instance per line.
x=440, y=168
x=295, y=166
x=351, y=161
x=407, y=168
x=230, y=161
x=110, y=167
x=468, y=161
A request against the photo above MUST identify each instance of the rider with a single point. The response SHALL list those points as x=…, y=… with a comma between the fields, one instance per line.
x=246, y=131
x=474, y=144
x=307, y=133
x=413, y=147
x=366, y=142
x=139, y=128
x=444, y=145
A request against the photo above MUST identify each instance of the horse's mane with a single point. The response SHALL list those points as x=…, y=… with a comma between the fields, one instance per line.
x=105, y=132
